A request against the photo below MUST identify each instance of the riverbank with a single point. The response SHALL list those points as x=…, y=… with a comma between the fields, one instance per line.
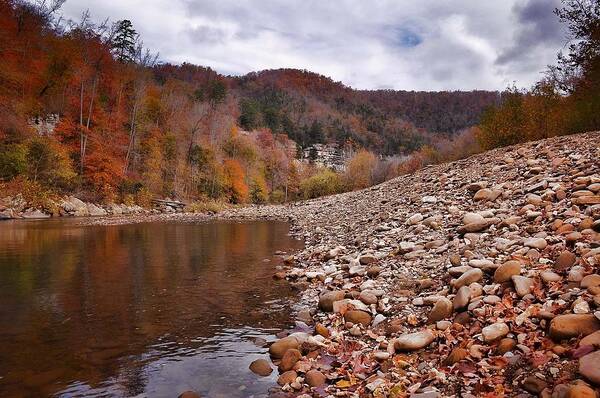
x=479, y=277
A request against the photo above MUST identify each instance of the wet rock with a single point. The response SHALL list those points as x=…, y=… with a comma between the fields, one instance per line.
x=358, y=316
x=506, y=271
x=315, y=378
x=573, y=325
x=589, y=367
x=189, y=394
x=278, y=348
x=494, y=332
x=287, y=377
x=289, y=359
x=414, y=341
x=261, y=367
x=327, y=299
x=442, y=309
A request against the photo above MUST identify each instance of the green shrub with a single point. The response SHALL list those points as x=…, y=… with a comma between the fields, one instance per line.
x=13, y=161
x=325, y=182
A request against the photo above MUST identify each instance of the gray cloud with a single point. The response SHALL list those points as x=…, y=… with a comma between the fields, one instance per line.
x=537, y=33
x=429, y=45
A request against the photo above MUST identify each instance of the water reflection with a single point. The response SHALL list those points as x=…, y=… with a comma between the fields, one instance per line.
x=137, y=309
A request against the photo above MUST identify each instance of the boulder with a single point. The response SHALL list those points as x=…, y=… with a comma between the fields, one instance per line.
x=534, y=385
x=580, y=390
x=442, y=309
x=590, y=281
x=278, y=348
x=565, y=260
x=589, y=367
x=508, y=269
x=472, y=275
x=414, y=341
x=573, y=325
x=287, y=377
x=261, y=367
x=327, y=299
x=314, y=378
x=591, y=339
x=461, y=300
x=289, y=359
x=523, y=284
x=358, y=316
x=494, y=332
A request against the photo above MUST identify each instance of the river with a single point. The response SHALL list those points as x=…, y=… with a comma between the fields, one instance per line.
x=147, y=310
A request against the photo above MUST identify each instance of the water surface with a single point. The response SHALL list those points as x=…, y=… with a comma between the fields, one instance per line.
x=138, y=310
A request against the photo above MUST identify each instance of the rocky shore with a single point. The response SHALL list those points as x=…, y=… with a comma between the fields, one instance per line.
x=474, y=278
x=15, y=207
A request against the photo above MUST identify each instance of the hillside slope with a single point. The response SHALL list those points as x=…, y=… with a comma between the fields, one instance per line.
x=473, y=278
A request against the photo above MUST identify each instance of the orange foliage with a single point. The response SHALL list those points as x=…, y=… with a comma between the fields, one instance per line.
x=237, y=188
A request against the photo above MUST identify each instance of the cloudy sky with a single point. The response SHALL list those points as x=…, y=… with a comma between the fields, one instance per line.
x=401, y=44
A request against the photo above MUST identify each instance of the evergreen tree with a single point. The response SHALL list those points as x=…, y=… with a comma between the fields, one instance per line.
x=124, y=40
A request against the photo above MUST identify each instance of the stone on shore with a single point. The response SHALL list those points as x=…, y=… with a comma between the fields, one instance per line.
x=506, y=271
x=589, y=367
x=315, y=378
x=414, y=341
x=261, y=367
x=442, y=309
x=573, y=325
x=358, y=316
x=494, y=332
x=287, y=377
x=327, y=299
x=278, y=348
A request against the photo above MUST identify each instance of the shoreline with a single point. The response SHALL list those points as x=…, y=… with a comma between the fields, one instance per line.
x=451, y=281
x=463, y=279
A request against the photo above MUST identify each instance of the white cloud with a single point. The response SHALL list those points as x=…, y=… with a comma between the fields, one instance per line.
x=429, y=45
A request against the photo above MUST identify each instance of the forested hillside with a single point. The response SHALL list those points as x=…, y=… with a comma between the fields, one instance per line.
x=85, y=109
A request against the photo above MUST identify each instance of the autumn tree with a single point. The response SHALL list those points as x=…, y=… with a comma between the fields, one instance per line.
x=360, y=169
